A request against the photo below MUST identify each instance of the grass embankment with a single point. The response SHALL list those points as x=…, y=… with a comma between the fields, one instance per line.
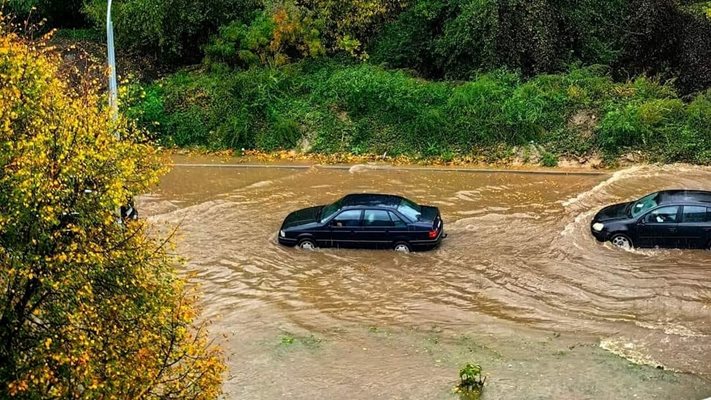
x=328, y=107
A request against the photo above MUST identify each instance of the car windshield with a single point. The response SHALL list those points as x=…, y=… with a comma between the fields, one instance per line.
x=409, y=209
x=644, y=204
x=328, y=211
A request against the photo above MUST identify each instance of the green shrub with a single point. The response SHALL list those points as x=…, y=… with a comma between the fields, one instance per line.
x=549, y=160
x=79, y=35
x=664, y=38
x=174, y=30
x=456, y=39
x=59, y=13
x=657, y=125
x=360, y=108
x=269, y=40
x=239, y=44
x=471, y=382
x=475, y=109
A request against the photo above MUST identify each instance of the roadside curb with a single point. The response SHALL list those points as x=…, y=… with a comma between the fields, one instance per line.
x=396, y=168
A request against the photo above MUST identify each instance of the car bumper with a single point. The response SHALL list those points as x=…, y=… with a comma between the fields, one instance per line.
x=428, y=244
x=601, y=236
x=287, y=241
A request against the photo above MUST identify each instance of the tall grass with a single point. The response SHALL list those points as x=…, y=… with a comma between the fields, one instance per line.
x=366, y=109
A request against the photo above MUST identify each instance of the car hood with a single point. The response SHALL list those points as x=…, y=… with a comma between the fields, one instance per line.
x=615, y=211
x=302, y=217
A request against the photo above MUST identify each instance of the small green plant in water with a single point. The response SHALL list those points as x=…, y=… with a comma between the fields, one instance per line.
x=290, y=340
x=287, y=340
x=471, y=382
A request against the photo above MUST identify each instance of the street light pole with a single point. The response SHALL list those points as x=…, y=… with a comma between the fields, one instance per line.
x=113, y=85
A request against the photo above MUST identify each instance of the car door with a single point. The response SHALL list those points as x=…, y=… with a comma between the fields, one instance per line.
x=375, y=229
x=344, y=227
x=659, y=227
x=694, y=227
x=400, y=230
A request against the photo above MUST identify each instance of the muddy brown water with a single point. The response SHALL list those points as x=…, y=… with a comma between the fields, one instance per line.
x=519, y=286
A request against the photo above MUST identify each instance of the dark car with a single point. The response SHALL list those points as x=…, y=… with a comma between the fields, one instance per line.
x=671, y=219
x=367, y=221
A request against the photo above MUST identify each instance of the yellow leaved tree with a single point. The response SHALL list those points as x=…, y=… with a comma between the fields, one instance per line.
x=89, y=307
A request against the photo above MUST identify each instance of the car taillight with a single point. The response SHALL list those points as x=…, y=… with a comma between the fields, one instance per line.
x=433, y=233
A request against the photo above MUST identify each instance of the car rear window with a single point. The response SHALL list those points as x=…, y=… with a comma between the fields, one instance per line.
x=696, y=214
x=410, y=210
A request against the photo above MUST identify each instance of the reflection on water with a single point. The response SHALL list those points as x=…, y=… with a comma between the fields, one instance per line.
x=519, y=265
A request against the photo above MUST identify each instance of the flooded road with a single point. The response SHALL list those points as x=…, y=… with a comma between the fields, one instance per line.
x=519, y=286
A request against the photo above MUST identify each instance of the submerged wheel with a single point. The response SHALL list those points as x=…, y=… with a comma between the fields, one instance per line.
x=402, y=247
x=307, y=244
x=622, y=242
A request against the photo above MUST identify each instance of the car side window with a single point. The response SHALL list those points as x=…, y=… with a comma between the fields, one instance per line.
x=376, y=218
x=695, y=214
x=347, y=218
x=397, y=221
x=663, y=215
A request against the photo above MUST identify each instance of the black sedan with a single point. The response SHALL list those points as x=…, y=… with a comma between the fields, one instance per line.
x=366, y=221
x=671, y=219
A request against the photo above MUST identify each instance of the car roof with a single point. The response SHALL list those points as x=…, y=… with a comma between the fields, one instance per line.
x=695, y=196
x=371, y=200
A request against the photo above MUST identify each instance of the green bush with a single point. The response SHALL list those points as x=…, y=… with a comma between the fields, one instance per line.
x=592, y=30
x=664, y=126
x=174, y=30
x=665, y=39
x=456, y=39
x=239, y=44
x=59, y=13
x=266, y=42
x=361, y=108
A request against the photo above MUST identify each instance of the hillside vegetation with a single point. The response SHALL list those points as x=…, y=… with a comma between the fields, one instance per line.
x=431, y=78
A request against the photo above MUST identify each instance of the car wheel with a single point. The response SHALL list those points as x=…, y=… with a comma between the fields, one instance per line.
x=622, y=242
x=402, y=247
x=307, y=244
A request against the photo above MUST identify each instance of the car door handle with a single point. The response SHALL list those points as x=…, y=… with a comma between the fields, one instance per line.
x=672, y=229
x=707, y=229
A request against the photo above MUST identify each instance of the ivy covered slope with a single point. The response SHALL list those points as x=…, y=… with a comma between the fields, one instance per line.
x=424, y=77
x=89, y=307
x=330, y=107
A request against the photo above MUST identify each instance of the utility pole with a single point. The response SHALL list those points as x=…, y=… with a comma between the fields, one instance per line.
x=113, y=85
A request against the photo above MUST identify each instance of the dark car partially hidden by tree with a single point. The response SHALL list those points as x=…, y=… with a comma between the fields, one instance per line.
x=365, y=221
x=670, y=219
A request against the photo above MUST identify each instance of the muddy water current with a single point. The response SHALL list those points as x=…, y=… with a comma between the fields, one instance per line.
x=519, y=286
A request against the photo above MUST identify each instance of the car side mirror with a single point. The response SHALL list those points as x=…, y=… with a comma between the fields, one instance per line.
x=641, y=222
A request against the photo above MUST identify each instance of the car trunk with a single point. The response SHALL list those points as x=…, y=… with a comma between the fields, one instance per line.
x=431, y=215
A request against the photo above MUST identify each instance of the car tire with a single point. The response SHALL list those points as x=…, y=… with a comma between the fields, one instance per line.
x=307, y=244
x=402, y=247
x=622, y=241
